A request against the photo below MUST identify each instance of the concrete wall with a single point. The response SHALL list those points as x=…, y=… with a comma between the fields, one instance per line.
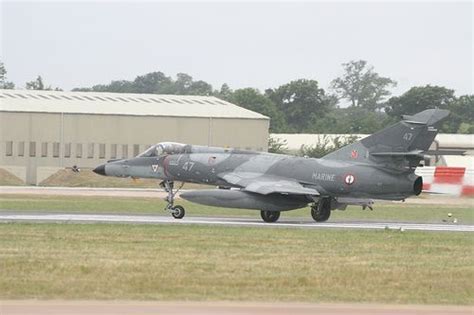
x=129, y=134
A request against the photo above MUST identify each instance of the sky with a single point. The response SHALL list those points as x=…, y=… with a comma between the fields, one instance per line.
x=244, y=44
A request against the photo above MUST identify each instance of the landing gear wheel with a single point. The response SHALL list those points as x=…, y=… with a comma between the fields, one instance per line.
x=177, y=212
x=270, y=216
x=322, y=210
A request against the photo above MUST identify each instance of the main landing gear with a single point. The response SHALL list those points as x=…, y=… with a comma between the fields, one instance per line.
x=270, y=216
x=176, y=211
x=321, y=211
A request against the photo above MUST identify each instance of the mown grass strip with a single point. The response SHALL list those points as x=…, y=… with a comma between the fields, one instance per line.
x=100, y=261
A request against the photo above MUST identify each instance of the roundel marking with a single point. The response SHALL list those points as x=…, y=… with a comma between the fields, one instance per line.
x=349, y=179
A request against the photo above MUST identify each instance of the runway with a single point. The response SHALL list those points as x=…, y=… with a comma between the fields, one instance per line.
x=218, y=308
x=11, y=216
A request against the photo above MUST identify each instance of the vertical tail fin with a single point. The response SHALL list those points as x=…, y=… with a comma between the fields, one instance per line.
x=406, y=140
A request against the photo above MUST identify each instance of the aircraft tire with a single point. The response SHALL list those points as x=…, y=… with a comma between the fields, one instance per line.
x=178, y=212
x=270, y=216
x=322, y=211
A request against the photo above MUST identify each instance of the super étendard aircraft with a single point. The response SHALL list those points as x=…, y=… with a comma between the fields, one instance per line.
x=380, y=166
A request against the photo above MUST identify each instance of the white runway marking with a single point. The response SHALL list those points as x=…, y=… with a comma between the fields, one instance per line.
x=291, y=223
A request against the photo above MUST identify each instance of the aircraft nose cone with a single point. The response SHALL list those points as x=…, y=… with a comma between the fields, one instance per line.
x=100, y=169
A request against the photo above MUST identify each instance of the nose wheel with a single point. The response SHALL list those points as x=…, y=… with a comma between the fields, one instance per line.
x=177, y=212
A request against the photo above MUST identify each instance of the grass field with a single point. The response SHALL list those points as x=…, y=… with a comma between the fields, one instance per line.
x=387, y=212
x=167, y=262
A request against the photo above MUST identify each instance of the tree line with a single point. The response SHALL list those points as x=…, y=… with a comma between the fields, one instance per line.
x=302, y=106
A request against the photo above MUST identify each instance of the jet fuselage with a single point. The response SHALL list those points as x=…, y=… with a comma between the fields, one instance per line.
x=328, y=177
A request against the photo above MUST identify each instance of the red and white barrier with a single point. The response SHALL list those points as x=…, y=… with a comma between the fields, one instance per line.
x=457, y=181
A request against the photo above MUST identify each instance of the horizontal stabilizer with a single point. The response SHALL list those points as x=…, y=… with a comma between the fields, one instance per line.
x=445, y=152
x=407, y=120
x=418, y=154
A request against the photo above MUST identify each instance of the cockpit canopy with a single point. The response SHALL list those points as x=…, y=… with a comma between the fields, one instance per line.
x=164, y=148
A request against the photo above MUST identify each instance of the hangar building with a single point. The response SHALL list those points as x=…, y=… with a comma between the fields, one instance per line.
x=44, y=131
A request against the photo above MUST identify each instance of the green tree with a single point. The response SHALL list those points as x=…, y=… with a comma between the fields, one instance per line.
x=82, y=90
x=224, y=93
x=351, y=120
x=361, y=85
x=200, y=88
x=325, y=145
x=185, y=85
x=461, y=119
x=36, y=84
x=418, y=99
x=4, y=84
x=276, y=145
x=301, y=102
x=121, y=86
x=153, y=82
x=253, y=100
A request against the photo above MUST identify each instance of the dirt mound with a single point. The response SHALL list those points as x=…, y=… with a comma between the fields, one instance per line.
x=8, y=179
x=87, y=178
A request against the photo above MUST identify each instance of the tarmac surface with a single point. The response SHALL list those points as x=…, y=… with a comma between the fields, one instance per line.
x=12, y=216
x=222, y=308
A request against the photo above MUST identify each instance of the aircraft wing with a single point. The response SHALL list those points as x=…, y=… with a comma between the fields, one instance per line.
x=264, y=184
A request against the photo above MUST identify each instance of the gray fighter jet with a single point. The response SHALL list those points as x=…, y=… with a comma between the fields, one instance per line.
x=380, y=166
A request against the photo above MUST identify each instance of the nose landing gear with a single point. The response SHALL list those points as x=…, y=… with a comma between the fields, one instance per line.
x=177, y=212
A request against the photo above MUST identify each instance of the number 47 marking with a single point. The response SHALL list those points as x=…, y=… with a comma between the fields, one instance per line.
x=187, y=166
x=408, y=136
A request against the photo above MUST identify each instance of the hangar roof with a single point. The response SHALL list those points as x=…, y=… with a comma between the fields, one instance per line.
x=121, y=104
